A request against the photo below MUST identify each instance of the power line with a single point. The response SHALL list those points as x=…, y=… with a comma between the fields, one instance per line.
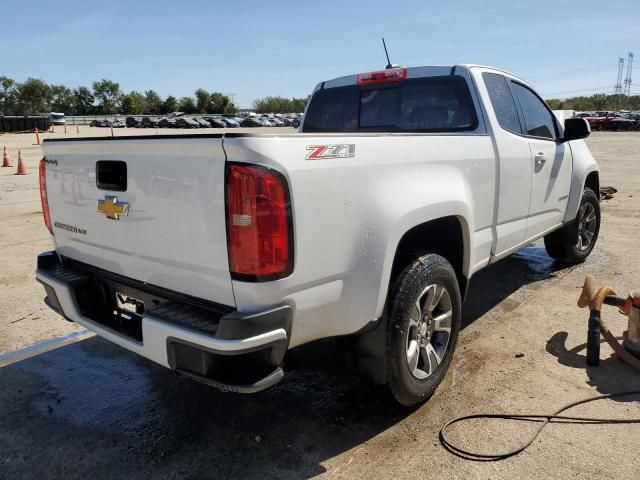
x=573, y=72
x=592, y=89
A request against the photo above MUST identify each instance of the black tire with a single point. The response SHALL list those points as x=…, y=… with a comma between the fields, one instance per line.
x=413, y=284
x=563, y=244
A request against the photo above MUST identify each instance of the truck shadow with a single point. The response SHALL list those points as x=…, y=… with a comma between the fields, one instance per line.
x=493, y=285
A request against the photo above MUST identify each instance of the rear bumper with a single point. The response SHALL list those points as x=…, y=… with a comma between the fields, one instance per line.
x=229, y=350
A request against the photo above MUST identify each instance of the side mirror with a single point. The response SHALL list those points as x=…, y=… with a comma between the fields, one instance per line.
x=576, y=129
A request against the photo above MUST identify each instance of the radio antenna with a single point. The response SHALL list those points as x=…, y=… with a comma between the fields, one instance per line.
x=387, y=54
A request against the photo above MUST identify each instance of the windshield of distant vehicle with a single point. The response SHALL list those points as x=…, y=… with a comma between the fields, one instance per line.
x=430, y=104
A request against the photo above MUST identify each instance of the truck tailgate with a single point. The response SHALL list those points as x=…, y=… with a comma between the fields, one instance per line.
x=173, y=234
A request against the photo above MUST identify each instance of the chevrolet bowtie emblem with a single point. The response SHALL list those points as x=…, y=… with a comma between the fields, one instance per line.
x=112, y=208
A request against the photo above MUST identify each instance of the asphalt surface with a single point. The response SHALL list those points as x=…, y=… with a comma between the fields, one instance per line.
x=77, y=406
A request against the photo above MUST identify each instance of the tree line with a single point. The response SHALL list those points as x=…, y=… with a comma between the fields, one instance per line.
x=599, y=101
x=280, y=105
x=35, y=96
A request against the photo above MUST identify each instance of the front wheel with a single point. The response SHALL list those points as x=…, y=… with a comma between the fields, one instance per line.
x=574, y=242
x=424, y=318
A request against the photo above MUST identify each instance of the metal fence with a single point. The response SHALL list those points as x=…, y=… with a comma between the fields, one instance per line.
x=87, y=119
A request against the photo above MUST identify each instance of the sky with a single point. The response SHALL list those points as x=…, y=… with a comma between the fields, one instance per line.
x=252, y=49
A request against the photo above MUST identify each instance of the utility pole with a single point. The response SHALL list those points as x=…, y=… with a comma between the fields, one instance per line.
x=233, y=98
x=627, y=80
x=618, y=88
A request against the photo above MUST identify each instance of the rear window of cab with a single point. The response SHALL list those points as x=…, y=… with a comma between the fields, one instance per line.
x=428, y=104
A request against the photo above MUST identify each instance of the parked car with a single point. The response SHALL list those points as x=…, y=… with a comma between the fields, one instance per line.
x=621, y=123
x=149, y=122
x=230, y=122
x=186, y=122
x=100, y=123
x=635, y=118
x=346, y=231
x=251, y=122
x=601, y=120
x=203, y=122
x=131, y=122
x=215, y=122
x=167, y=123
x=118, y=124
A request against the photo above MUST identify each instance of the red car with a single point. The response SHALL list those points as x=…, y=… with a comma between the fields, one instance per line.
x=601, y=120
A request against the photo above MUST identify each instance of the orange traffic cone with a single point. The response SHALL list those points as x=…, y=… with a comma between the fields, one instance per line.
x=22, y=167
x=37, y=137
x=6, y=159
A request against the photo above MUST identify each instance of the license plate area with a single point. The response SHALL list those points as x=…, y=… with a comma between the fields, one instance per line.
x=128, y=306
x=115, y=306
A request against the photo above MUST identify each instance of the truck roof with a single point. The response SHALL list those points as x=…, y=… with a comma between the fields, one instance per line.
x=416, y=72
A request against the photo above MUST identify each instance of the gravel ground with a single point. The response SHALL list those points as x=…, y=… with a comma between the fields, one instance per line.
x=89, y=408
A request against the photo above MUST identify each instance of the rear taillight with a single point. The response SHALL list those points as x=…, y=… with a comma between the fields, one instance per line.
x=259, y=224
x=382, y=76
x=42, y=176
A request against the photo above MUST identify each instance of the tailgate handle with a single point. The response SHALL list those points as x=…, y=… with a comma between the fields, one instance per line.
x=111, y=175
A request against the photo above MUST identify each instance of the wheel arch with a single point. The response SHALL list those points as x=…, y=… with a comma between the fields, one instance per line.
x=593, y=182
x=446, y=236
x=585, y=174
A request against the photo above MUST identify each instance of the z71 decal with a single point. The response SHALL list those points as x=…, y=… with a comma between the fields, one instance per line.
x=324, y=152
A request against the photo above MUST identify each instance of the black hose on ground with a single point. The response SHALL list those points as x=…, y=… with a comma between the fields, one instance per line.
x=546, y=419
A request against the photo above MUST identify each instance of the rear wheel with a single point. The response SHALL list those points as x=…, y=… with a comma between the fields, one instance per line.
x=574, y=242
x=424, y=321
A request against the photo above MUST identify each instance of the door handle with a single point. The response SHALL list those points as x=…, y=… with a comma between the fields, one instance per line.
x=540, y=158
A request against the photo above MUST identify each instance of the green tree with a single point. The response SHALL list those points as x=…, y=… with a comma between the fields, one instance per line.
x=107, y=94
x=299, y=104
x=187, y=105
x=8, y=96
x=33, y=97
x=153, y=101
x=62, y=100
x=83, y=100
x=222, y=104
x=170, y=104
x=279, y=105
x=132, y=103
x=203, y=101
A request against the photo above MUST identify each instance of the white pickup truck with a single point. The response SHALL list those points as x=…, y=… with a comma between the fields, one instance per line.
x=214, y=254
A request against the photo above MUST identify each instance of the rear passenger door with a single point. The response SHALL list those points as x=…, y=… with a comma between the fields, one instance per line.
x=514, y=156
x=551, y=162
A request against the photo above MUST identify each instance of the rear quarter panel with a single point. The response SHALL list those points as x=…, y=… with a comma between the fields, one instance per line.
x=350, y=213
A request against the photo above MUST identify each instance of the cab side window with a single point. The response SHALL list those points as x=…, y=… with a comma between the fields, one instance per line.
x=537, y=117
x=502, y=102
